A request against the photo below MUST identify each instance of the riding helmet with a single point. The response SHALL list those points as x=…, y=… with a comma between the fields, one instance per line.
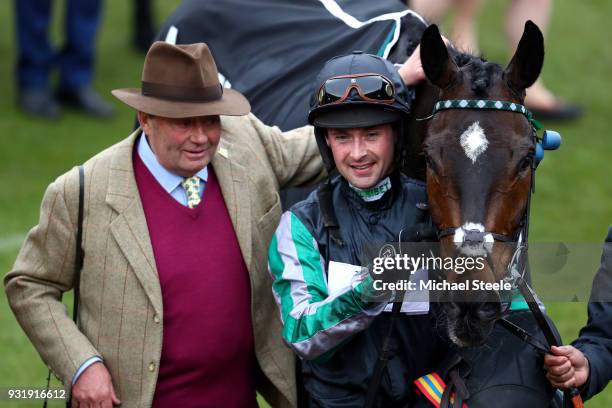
x=351, y=110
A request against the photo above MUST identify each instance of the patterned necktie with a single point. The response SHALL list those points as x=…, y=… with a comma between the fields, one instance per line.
x=192, y=189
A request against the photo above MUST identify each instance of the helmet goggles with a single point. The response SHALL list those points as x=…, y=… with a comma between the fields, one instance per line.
x=370, y=87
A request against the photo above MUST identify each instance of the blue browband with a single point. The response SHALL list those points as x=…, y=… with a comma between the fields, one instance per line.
x=486, y=104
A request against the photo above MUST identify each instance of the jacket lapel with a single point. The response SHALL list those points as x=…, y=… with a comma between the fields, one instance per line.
x=129, y=228
x=235, y=189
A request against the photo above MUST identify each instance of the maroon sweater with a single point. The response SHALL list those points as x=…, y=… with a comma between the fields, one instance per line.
x=208, y=354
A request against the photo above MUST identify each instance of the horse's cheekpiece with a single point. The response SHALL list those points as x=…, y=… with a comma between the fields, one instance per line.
x=550, y=140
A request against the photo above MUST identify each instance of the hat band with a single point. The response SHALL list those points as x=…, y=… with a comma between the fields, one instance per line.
x=182, y=93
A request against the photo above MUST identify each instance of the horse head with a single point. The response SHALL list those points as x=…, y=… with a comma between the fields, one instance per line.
x=479, y=167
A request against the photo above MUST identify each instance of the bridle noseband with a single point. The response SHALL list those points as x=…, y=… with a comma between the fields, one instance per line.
x=475, y=236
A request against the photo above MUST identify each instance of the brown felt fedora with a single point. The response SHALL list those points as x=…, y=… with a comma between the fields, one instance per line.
x=180, y=81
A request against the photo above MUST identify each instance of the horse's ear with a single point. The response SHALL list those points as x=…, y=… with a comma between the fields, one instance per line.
x=439, y=68
x=526, y=64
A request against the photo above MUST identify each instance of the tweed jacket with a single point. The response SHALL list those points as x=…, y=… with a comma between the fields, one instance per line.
x=121, y=310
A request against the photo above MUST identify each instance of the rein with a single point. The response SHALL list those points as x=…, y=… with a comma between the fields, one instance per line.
x=520, y=236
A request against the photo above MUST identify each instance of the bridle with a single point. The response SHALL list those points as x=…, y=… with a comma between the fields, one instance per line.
x=518, y=264
x=520, y=235
x=481, y=104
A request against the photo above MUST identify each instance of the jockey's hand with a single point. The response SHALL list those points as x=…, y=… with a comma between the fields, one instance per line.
x=94, y=388
x=566, y=366
x=411, y=71
x=368, y=293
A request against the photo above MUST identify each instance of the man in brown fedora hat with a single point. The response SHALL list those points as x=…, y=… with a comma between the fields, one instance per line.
x=175, y=301
x=175, y=306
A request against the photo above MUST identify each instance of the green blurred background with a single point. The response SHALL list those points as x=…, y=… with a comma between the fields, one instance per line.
x=574, y=189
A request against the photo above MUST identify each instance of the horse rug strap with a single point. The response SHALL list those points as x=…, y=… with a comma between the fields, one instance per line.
x=433, y=388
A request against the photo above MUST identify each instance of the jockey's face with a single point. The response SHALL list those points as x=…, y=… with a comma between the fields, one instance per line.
x=183, y=146
x=363, y=156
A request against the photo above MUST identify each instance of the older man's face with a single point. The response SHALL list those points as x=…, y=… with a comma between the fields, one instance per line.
x=183, y=146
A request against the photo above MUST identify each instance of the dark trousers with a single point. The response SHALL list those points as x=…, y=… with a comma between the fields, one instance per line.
x=143, y=18
x=36, y=57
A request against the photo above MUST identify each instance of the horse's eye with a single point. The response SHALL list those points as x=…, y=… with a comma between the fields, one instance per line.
x=525, y=163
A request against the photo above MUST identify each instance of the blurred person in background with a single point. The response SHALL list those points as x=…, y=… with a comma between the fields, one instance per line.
x=540, y=100
x=143, y=27
x=36, y=58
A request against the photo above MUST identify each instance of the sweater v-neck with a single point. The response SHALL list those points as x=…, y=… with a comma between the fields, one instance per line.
x=192, y=212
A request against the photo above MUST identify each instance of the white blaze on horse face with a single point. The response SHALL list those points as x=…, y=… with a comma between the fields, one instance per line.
x=474, y=141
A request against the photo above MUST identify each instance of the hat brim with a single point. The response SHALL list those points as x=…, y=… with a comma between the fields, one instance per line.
x=355, y=117
x=232, y=103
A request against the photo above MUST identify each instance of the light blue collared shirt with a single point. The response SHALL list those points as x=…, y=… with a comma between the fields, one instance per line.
x=85, y=366
x=169, y=181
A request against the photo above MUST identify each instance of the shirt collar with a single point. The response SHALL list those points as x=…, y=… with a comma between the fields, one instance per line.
x=168, y=180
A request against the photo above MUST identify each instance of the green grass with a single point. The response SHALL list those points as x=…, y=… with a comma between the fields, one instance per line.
x=574, y=190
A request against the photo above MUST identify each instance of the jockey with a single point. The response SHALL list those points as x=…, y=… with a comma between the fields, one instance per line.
x=359, y=109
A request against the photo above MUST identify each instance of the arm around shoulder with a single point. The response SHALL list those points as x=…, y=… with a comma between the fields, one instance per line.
x=293, y=155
